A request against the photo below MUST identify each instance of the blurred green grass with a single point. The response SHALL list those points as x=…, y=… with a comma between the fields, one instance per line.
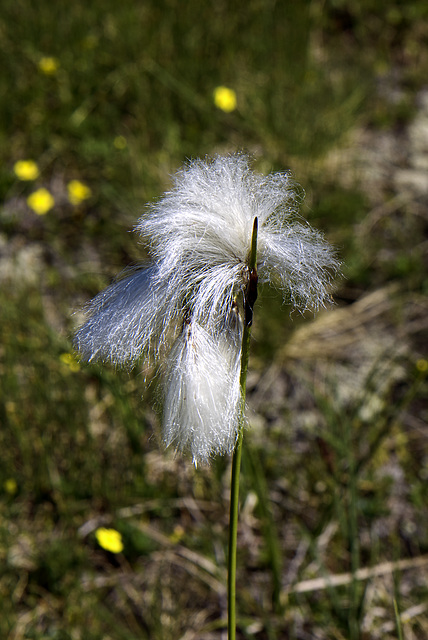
x=329, y=484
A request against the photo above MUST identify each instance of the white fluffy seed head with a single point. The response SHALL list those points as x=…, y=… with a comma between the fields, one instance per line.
x=199, y=241
x=205, y=223
x=128, y=320
x=202, y=393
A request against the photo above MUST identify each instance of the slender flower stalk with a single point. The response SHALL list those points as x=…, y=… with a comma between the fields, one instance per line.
x=250, y=298
x=218, y=233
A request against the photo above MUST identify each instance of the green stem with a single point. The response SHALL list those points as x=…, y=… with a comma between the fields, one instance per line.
x=233, y=531
x=398, y=620
x=250, y=298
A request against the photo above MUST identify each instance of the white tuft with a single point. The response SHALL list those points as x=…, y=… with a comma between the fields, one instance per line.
x=204, y=225
x=199, y=237
x=124, y=319
x=201, y=407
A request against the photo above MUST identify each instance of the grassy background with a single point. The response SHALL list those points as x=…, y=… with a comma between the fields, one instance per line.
x=336, y=462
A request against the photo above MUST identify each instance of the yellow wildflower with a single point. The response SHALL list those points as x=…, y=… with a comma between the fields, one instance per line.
x=177, y=534
x=120, y=142
x=26, y=170
x=69, y=360
x=48, y=65
x=422, y=365
x=225, y=99
x=109, y=539
x=77, y=192
x=40, y=201
x=10, y=486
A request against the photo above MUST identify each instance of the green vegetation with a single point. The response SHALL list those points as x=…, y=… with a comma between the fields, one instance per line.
x=335, y=465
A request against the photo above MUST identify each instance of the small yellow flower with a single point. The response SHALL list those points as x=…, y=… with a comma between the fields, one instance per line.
x=120, y=142
x=225, y=99
x=26, y=170
x=48, y=65
x=69, y=360
x=10, y=486
x=422, y=365
x=109, y=539
x=177, y=534
x=40, y=201
x=77, y=192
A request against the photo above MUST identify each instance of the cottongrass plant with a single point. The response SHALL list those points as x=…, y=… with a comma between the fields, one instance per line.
x=220, y=231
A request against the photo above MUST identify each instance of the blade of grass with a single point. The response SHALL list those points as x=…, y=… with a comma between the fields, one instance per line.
x=398, y=621
x=268, y=525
